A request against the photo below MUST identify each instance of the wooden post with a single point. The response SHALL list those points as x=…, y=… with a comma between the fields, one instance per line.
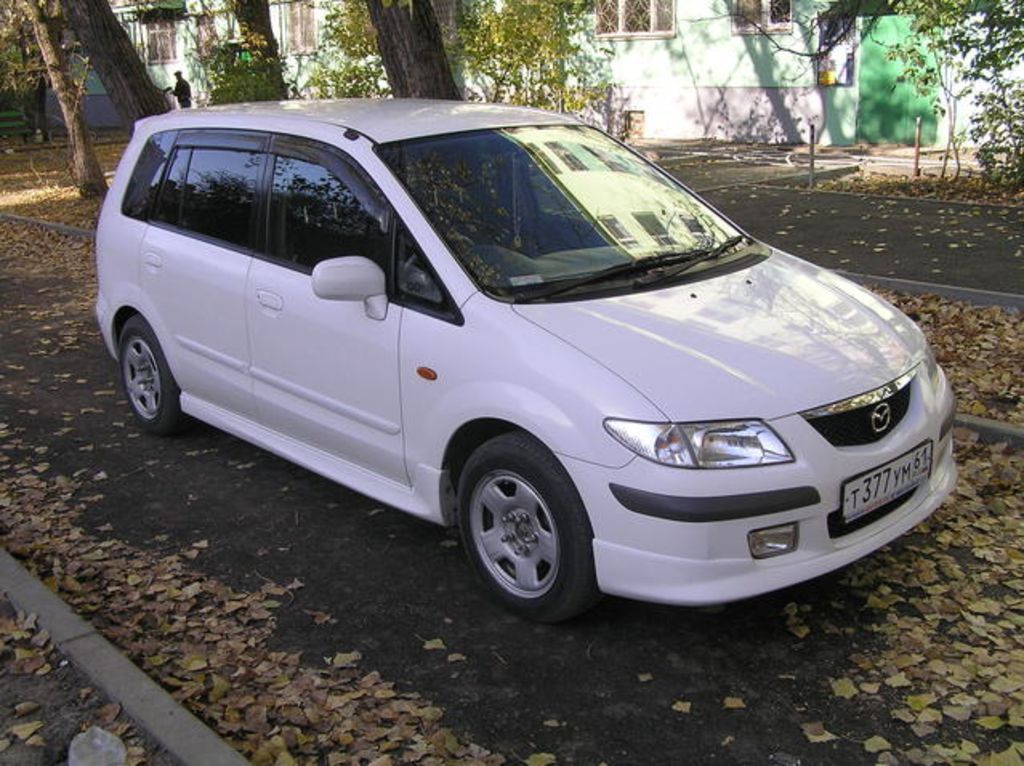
x=810, y=180
x=917, y=147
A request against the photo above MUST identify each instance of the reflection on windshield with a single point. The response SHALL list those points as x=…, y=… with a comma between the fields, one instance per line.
x=522, y=207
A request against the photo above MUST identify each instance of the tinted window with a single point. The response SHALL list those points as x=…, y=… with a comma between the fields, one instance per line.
x=145, y=181
x=522, y=207
x=323, y=209
x=168, y=207
x=219, y=193
x=415, y=281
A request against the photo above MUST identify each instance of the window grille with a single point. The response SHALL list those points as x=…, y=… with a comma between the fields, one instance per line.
x=635, y=18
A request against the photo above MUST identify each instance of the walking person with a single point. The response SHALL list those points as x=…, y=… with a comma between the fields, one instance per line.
x=182, y=91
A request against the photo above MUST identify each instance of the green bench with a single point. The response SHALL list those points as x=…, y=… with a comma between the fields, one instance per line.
x=12, y=123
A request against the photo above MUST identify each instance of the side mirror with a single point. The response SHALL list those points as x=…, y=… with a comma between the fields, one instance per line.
x=352, y=278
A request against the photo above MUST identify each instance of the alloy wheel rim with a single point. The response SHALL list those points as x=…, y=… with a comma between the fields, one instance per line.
x=142, y=378
x=514, y=534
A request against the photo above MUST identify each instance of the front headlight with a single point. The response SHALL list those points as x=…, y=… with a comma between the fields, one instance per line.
x=728, y=444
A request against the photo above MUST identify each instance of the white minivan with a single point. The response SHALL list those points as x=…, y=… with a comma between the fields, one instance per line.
x=503, y=319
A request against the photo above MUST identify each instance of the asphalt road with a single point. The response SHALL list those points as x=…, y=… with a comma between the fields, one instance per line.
x=579, y=690
x=975, y=246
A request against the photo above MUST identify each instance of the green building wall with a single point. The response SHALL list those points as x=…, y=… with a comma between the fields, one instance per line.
x=889, y=104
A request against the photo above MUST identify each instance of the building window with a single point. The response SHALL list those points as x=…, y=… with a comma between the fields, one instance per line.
x=301, y=27
x=635, y=18
x=753, y=16
x=206, y=34
x=161, y=41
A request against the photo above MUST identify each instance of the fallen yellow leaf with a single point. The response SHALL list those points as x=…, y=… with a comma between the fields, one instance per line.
x=877, y=744
x=816, y=732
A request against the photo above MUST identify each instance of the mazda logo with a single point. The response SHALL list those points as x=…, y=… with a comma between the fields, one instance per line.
x=881, y=418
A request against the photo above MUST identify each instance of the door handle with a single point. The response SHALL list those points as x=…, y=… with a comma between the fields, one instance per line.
x=269, y=300
x=153, y=261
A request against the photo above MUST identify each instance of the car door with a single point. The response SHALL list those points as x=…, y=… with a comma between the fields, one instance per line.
x=324, y=372
x=196, y=257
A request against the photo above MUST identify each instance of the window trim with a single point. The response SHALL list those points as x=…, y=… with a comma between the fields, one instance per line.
x=620, y=34
x=765, y=26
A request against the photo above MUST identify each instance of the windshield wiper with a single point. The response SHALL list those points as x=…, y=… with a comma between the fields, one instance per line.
x=691, y=258
x=612, y=272
x=683, y=260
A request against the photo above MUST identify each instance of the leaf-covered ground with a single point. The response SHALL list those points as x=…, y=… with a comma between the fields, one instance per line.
x=207, y=643
x=964, y=189
x=34, y=182
x=980, y=348
x=44, y=701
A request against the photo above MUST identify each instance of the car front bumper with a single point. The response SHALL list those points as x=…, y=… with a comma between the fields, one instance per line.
x=687, y=560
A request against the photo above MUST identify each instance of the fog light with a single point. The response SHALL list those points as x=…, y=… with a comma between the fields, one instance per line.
x=773, y=541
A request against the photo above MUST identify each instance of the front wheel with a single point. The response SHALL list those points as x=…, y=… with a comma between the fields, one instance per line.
x=152, y=392
x=525, y=529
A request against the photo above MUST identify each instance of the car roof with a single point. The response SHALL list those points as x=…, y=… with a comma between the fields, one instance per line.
x=381, y=120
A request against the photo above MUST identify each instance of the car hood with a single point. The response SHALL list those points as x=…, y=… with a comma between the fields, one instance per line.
x=771, y=340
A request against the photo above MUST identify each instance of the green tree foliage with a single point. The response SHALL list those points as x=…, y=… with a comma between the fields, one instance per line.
x=999, y=131
x=348, y=62
x=532, y=52
x=984, y=41
x=238, y=73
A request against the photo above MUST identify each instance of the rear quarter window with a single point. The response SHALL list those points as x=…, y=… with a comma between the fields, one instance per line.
x=140, y=194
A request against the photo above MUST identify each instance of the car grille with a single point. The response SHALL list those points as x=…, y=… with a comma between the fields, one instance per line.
x=866, y=418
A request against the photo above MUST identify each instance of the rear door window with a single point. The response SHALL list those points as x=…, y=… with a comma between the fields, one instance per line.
x=220, y=194
x=212, y=192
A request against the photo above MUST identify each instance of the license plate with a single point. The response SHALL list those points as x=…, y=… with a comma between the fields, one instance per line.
x=873, y=489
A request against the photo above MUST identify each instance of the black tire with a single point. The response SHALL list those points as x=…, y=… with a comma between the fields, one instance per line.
x=148, y=384
x=526, y=531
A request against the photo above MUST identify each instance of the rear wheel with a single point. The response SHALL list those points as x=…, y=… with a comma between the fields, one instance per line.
x=525, y=529
x=152, y=392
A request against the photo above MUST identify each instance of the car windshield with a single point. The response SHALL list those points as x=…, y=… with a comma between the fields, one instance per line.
x=556, y=208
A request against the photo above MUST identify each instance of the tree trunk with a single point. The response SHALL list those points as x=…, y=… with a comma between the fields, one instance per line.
x=258, y=38
x=115, y=60
x=48, y=27
x=410, y=44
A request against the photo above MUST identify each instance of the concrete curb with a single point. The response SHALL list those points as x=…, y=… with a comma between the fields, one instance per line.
x=179, y=732
x=819, y=175
x=993, y=431
x=896, y=198
x=60, y=228
x=969, y=294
